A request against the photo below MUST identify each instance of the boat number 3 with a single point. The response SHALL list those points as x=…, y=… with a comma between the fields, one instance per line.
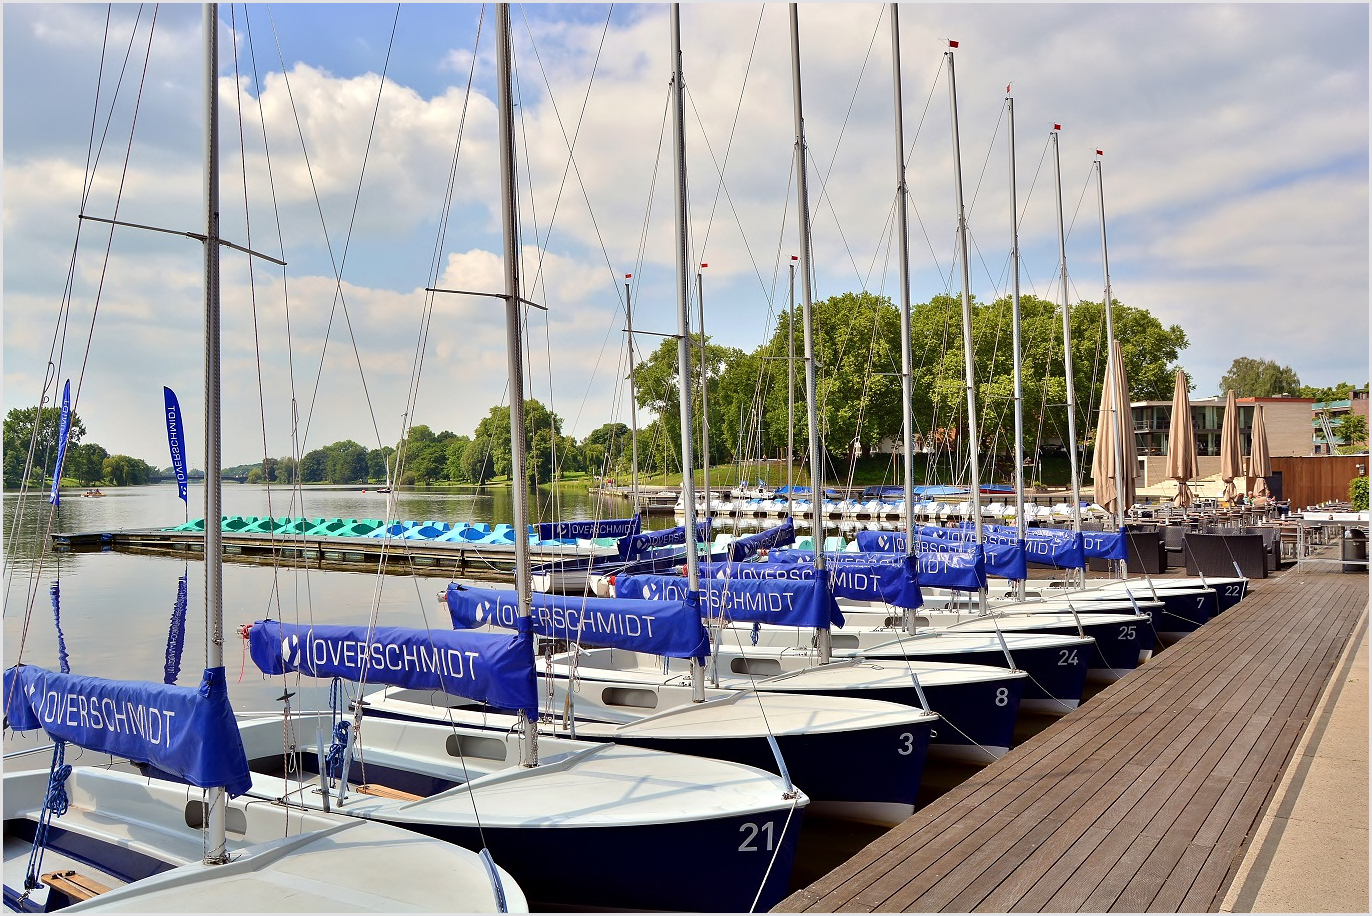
x=1128, y=632
x=1067, y=657
x=750, y=833
x=908, y=744
x=1002, y=696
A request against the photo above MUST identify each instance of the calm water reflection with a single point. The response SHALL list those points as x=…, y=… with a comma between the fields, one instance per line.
x=116, y=608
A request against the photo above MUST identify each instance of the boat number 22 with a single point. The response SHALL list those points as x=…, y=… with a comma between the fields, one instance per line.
x=750, y=833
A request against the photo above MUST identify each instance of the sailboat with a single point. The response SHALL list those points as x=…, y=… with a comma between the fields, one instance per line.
x=110, y=839
x=558, y=809
x=819, y=741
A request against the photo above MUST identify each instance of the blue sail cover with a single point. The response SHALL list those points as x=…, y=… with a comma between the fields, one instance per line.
x=745, y=547
x=590, y=529
x=1054, y=547
x=894, y=581
x=493, y=668
x=658, y=628
x=635, y=546
x=1104, y=545
x=943, y=562
x=781, y=601
x=187, y=732
x=1003, y=557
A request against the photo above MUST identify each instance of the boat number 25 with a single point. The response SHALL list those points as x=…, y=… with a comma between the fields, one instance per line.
x=750, y=833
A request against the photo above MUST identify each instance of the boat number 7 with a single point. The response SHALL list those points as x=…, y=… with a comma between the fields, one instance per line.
x=751, y=831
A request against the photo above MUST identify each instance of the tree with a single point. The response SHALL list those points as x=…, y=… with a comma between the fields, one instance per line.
x=86, y=463
x=656, y=383
x=124, y=471
x=1340, y=392
x=494, y=432
x=1352, y=429
x=313, y=466
x=1259, y=378
x=477, y=463
x=454, y=466
x=18, y=434
x=378, y=460
x=345, y=462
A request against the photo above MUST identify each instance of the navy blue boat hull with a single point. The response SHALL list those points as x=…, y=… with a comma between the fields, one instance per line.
x=1055, y=674
x=628, y=868
x=873, y=766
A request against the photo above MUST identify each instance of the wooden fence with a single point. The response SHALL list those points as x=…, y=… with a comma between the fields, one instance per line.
x=1310, y=480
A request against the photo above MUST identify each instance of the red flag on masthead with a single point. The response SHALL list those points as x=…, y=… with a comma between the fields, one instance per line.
x=628, y=276
x=704, y=265
x=1057, y=127
x=1100, y=152
x=794, y=258
x=952, y=43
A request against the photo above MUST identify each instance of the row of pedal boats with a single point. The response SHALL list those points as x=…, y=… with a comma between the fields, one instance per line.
x=636, y=766
x=882, y=510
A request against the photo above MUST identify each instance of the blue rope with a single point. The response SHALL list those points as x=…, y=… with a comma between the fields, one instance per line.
x=333, y=760
x=55, y=804
x=757, y=627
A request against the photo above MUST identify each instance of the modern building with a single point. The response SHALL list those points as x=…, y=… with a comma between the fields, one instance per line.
x=1326, y=417
x=1287, y=420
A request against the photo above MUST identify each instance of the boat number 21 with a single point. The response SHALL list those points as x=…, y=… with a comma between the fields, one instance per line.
x=750, y=833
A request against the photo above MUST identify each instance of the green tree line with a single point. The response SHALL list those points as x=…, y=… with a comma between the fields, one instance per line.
x=86, y=463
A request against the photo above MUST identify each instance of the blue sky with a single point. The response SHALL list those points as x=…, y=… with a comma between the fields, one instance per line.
x=1236, y=141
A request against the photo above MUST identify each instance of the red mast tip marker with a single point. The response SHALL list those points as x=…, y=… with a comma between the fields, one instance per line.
x=952, y=43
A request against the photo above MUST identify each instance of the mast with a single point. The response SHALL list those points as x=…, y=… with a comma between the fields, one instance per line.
x=811, y=396
x=973, y=438
x=1120, y=425
x=906, y=360
x=633, y=395
x=1067, y=344
x=704, y=408
x=1014, y=312
x=683, y=351
x=216, y=852
x=791, y=394
x=514, y=339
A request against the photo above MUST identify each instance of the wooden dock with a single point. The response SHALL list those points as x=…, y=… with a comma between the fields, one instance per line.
x=453, y=559
x=1143, y=799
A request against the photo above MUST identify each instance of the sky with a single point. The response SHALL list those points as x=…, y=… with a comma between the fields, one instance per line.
x=1235, y=169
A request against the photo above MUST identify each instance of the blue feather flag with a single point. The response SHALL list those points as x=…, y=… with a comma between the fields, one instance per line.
x=63, y=429
x=176, y=438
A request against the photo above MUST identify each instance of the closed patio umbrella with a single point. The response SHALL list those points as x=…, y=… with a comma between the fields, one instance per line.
x=1116, y=424
x=1259, y=461
x=1231, y=462
x=1181, y=442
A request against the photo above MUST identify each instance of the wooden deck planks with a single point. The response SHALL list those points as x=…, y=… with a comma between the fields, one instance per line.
x=1140, y=800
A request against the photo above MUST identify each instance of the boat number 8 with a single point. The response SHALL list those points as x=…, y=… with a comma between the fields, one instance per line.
x=1002, y=696
x=909, y=744
x=750, y=832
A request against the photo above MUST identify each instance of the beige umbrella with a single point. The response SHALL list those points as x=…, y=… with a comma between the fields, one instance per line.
x=1259, y=461
x=1181, y=442
x=1231, y=462
x=1116, y=423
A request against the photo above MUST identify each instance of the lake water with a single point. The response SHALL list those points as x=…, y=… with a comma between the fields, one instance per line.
x=115, y=609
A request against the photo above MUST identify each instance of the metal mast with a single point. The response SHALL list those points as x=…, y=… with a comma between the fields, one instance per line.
x=1014, y=311
x=791, y=394
x=973, y=438
x=811, y=394
x=1067, y=344
x=906, y=361
x=514, y=337
x=683, y=352
x=216, y=852
x=633, y=395
x=1124, y=426
x=704, y=408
